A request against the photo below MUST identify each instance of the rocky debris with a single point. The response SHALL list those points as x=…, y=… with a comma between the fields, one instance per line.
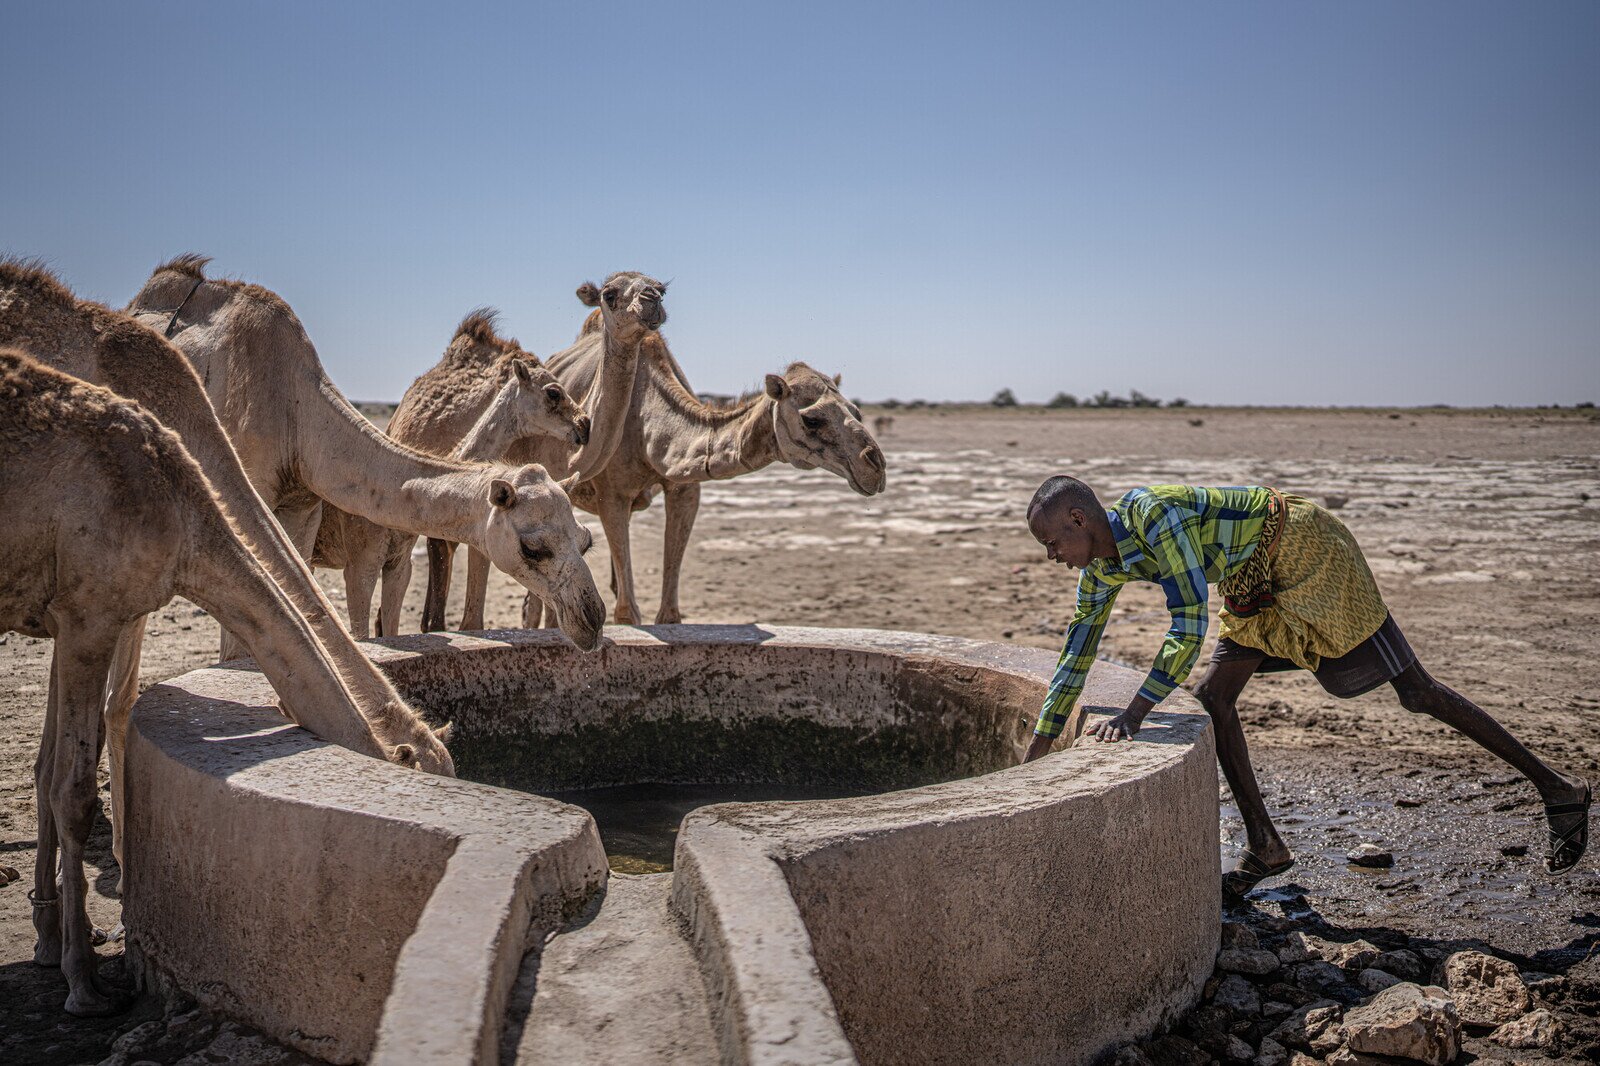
x=1544, y=985
x=1275, y=1009
x=1303, y=947
x=1238, y=996
x=1271, y=1053
x=1311, y=1027
x=1239, y=935
x=1487, y=991
x=1406, y=965
x=1376, y=980
x=1247, y=960
x=1536, y=1029
x=1319, y=977
x=1407, y=1021
x=1176, y=1051
x=1371, y=856
x=1131, y=1055
x=1236, y=1050
x=9, y=874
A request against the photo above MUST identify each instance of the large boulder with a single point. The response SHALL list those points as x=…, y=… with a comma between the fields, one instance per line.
x=1488, y=991
x=1407, y=1021
x=1314, y=1027
x=1252, y=961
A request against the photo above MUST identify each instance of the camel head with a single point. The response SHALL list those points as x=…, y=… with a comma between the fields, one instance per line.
x=533, y=536
x=816, y=426
x=420, y=747
x=541, y=406
x=629, y=302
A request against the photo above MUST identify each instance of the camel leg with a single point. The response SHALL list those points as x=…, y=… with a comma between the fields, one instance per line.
x=124, y=691
x=477, y=589
x=396, y=580
x=615, y=515
x=83, y=663
x=682, y=503
x=46, y=894
x=441, y=556
x=537, y=614
x=360, y=577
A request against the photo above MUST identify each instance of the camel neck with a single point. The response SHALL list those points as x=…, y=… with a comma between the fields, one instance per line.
x=688, y=440
x=607, y=404
x=493, y=433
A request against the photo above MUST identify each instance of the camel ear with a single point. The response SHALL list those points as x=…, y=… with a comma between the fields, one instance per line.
x=523, y=372
x=567, y=484
x=777, y=388
x=405, y=754
x=502, y=494
x=589, y=294
x=444, y=731
x=838, y=379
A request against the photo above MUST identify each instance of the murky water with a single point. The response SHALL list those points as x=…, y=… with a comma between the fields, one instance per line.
x=639, y=823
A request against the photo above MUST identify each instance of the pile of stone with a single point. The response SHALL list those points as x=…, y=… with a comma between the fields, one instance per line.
x=1283, y=997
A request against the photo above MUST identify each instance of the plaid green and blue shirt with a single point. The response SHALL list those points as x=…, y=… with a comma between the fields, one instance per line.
x=1182, y=537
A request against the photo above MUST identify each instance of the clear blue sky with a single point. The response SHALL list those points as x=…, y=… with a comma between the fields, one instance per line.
x=1233, y=202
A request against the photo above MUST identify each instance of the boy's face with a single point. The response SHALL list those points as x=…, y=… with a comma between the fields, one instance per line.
x=1064, y=532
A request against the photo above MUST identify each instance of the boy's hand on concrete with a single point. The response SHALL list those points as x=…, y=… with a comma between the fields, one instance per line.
x=1121, y=727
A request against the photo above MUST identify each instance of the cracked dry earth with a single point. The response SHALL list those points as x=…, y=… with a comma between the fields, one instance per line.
x=1483, y=528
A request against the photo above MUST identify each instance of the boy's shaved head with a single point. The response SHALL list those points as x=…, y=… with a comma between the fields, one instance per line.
x=1062, y=492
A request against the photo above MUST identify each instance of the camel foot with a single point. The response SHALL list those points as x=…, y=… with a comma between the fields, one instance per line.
x=669, y=618
x=47, y=955
x=628, y=617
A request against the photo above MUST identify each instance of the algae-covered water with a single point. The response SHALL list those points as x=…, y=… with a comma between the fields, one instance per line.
x=639, y=823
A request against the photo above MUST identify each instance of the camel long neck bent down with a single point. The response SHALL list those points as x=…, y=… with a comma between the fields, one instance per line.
x=221, y=575
x=691, y=441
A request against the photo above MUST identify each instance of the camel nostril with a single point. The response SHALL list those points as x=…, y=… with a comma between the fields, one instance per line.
x=874, y=457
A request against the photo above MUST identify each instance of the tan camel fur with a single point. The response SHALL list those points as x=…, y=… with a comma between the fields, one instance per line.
x=523, y=399
x=672, y=441
x=40, y=315
x=109, y=518
x=302, y=443
x=628, y=310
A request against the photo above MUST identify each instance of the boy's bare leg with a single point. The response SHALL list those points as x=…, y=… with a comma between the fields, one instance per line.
x=1421, y=694
x=1218, y=692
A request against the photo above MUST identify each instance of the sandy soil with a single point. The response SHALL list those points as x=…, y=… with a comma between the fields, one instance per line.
x=1483, y=529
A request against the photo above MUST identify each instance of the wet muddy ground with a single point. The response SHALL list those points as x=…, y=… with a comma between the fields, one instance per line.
x=1482, y=527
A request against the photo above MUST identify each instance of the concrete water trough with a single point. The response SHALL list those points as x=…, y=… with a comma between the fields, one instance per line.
x=943, y=906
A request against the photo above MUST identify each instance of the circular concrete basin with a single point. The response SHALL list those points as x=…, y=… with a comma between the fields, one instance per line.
x=939, y=912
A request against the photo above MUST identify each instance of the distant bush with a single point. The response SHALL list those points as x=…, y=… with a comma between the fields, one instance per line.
x=1585, y=405
x=1103, y=398
x=1063, y=399
x=890, y=403
x=916, y=405
x=1178, y=402
x=1004, y=398
x=1139, y=399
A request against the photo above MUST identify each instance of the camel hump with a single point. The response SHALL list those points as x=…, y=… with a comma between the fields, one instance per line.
x=189, y=264
x=480, y=326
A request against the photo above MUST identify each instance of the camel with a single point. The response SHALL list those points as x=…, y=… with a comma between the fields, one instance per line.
x=673, y=442
x=302, y=443
x=108, y=518
x=524, y=399
x=40, y=315
x=628, y=310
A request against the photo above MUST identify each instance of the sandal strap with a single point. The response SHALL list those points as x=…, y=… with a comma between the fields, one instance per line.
x=1565, y=810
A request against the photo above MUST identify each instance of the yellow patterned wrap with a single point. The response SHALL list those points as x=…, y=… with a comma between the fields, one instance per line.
x=1327, y=599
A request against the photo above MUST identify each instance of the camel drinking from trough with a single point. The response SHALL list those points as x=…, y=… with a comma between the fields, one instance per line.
x=517, y=397
x=108, y=518
x=302, y=443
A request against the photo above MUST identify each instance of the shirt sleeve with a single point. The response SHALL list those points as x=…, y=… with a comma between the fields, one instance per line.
x=1169, y=532
x=1095, y=597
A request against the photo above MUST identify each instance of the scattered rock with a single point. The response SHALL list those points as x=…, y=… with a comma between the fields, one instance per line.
x=1375, y=980
x=1406, y=965
x=1239, y=935
x=1247, y=960
x=1237, y=1050
x=9, y=874
x=1271, y=1053
x=1544, y=985
x=1536, y=1029
x=1335, y=503
x=1308, y=1024
x=1275, y=1008
x=1487, y=991
x=1298, y=1059
x=1318, y=976
x=1514, y=851
x=1407, y=801
x=1344, y=1056
x=1407, y=1021
x=1352, y=955
x=1238, y=995
x=1371, y=856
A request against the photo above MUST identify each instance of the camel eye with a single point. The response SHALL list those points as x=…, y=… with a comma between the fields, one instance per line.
x=610, y=297
x=813, y=422
x=536, y=554
x=553, y=393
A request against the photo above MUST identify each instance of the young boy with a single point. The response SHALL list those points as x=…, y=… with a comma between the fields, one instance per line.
x=1297, y=592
